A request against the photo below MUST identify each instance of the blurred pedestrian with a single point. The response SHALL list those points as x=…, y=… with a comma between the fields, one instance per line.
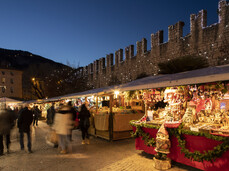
x=73, y=112
x=84, y=116
x=25, y=120
x=36, y=115
x=7, y=122
x=50, y=115
x=63, y=125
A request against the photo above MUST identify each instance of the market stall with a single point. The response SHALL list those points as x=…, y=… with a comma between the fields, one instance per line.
x=110, y=111
x=193, y=117
x=10, y=103
x=111, y=117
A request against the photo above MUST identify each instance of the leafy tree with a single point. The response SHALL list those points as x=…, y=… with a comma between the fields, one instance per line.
x=65, y=80
x=182, y=64
x=37, y=88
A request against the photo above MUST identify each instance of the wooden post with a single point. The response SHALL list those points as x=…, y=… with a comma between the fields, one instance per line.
x=96, y=104
x=111, y=118
x=111, y=103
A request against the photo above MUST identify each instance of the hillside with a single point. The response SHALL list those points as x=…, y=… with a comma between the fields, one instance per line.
x=33, y=66
x=22, y=59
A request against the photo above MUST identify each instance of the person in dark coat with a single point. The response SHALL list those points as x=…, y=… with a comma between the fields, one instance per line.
x=25, y=119
x=84, y=116
x=36, y=115
x=7, y=120
x=50, y=115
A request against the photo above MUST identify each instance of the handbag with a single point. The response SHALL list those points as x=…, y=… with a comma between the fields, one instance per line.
x=52, y=138
x=76, y=125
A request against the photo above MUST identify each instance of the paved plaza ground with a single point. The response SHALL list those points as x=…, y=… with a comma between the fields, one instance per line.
x=100, y=155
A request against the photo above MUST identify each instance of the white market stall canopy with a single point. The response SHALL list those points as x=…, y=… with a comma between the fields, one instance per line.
x=205, y=75
x=9, y=100
x=109, y=89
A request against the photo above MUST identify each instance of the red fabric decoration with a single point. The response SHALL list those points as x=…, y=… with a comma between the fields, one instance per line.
x=192, y=143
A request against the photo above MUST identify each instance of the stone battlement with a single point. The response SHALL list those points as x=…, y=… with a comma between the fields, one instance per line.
x=211, y=42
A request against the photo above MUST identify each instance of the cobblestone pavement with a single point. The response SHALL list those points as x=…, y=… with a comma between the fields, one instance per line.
x=100, y=155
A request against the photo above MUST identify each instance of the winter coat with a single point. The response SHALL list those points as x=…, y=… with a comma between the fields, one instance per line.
x=84, y=116
x=37, y=113
x=50, y=115
x=7, y=119
x=63, y=122
x=25, y=119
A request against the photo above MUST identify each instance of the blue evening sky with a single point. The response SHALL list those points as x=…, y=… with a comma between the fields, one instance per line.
x=81, y=31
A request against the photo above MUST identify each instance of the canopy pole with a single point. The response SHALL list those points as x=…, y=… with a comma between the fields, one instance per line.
x=96, y=104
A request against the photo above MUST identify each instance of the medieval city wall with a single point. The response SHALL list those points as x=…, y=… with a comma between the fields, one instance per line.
x=211, y=42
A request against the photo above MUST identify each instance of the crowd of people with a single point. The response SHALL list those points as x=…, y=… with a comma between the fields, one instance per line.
x=61, y=120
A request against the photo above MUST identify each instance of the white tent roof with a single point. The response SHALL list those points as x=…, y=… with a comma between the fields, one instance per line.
x=91, y=92
x=205, y=75
x=9, y=100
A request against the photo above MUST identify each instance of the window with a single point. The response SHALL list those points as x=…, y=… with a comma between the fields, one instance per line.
x=3, y=89
x=11, y=90
x=11, y=73
x=11, y=81
x=3, y=80
x=3, y=72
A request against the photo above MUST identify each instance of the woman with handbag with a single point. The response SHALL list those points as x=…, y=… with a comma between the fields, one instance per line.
x=84, y=116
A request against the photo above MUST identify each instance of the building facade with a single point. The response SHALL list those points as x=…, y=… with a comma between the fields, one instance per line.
x=10, y=83
x=210, y=42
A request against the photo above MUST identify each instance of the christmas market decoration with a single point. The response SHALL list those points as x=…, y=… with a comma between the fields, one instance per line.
x=161, y=162
x=199, y=108
x=145, y=136
x=178, y=132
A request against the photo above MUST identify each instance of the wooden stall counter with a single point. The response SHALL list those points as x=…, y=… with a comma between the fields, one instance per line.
x=121, y=124
x=114, y=126
x=102, y=125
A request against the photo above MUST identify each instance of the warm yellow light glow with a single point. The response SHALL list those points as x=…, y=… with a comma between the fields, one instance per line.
x=116, y=92
x=33, y=79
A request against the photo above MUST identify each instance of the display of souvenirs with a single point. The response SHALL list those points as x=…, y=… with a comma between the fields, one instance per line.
x=200, y=107
x=224, y=129
x=225, y=123
x=173, y=97
x=218, y=118
x=188, y=117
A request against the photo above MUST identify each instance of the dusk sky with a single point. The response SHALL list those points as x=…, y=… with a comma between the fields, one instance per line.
x=81, y=31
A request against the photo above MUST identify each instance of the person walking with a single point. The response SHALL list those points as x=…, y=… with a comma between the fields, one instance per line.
x=62, y=125
x=84, y=116
x=73, y=112
x=25, y=119
x=50, y=115
x=36, y=115
x=7, y=122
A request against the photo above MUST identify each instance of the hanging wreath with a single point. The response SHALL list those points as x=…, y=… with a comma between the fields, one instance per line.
x=145, y=136
x=209, y=155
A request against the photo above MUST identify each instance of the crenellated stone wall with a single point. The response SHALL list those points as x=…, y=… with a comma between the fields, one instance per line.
x=211, y=42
